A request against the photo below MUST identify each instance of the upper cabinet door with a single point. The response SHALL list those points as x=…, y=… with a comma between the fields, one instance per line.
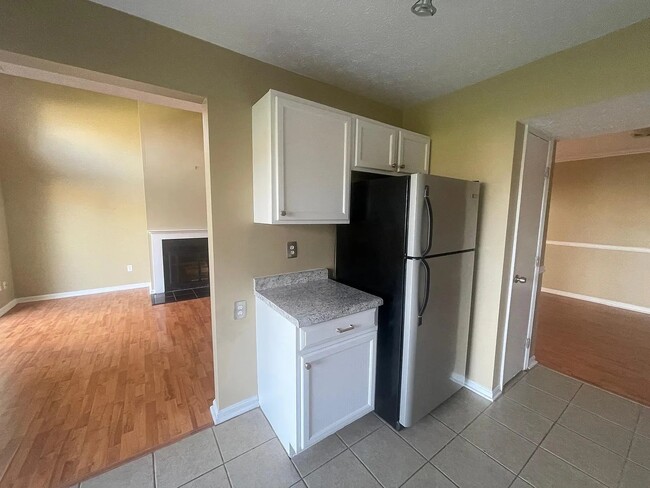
x=375, y=145
x=413, y=152
x=313, y=145
x=301, y=161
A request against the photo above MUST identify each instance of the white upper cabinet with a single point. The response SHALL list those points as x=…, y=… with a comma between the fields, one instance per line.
x=301, y=161
x=386, y=148
x=375, y=145
x=413, y=152
x=302, y=153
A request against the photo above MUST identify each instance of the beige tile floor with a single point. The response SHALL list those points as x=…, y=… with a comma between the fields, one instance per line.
x=547, y=430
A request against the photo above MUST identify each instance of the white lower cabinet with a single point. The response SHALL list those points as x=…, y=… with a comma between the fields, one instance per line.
x=337, y=386
x=308, y=392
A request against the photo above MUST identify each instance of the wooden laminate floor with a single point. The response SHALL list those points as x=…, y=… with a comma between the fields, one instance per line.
x=604, y=346
x=88, y=382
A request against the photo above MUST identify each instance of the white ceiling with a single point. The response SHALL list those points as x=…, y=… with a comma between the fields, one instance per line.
x=380, y=49
x=615, y=115
x=601, y=146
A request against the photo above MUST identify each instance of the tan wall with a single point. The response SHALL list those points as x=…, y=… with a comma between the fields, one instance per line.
x=71, y=169
x=91, y=36
x=601, y=201
x=612, y=275
x=174, y=168
x=473, y=135
x=6, y=274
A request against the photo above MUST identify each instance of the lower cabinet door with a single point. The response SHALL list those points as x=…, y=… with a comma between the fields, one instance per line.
x=337, y=386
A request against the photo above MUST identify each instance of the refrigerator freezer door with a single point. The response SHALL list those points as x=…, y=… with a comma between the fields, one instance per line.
x=442, y=212
x=435, y=352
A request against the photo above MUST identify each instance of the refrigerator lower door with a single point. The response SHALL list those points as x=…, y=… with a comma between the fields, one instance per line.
x=435, y=352
x=442, y=215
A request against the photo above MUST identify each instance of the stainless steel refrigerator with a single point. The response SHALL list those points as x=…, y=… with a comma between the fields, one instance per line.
x=411, y=240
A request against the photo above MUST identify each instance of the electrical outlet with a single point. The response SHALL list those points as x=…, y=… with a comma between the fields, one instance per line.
x=129, y=267
x=292, y=249
x=240, y=309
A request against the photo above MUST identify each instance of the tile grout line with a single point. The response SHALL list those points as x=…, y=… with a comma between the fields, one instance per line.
x=602, y=418
x=367, y=468
x=153, y=469
x=456, y=434
x=565, y=460
x=223, y=461
x=539, y=446
x=424, y=466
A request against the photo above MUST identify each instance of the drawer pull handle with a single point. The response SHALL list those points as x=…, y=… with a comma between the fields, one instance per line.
x=341, y=330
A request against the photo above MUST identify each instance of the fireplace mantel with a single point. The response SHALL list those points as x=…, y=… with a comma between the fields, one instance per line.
x=157, y=267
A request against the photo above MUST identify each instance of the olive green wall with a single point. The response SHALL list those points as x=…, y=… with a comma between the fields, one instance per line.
x=601, y=201
x=473, y=136
x=87, y=35
x=174, y=167
x=73, y=186
x=6, y=274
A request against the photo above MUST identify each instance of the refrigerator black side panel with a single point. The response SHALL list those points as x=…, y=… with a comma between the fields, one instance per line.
x=370, y=256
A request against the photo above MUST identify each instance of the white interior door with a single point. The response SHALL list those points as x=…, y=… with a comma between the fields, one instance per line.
x=524, y=276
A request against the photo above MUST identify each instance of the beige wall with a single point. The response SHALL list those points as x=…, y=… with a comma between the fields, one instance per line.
x=6, y=295
x=174, y=168
x=71, y=170
x=473, y=135
x=87, y=35
x=601, y=201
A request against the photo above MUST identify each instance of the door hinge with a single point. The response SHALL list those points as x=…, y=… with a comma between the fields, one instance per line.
x=547, y=172
x=527, y=343
x=538, y=261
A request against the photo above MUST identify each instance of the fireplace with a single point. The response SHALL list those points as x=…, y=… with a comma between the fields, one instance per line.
x=180, y=266
x=185, y=264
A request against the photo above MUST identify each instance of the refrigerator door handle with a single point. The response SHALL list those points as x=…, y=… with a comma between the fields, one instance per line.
x=427, y=289
x=429, y=208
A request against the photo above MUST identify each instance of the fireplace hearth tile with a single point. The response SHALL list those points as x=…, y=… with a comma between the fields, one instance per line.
x=180, y=295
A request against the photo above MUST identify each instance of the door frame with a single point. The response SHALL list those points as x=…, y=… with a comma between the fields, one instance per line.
x=523, y=130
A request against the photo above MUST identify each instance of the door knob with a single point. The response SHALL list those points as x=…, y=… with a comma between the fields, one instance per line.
x=520, y=279
x=307, y=366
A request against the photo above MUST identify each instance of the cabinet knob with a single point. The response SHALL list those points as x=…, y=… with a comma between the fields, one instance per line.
x=402, y=166
x=394, y=165
x=307, y=366
x=283, y=213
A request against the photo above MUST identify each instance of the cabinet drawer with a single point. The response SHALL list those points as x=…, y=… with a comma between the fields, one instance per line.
x=341, y=328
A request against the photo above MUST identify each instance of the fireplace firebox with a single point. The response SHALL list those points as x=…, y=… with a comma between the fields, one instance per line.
x=185, y=264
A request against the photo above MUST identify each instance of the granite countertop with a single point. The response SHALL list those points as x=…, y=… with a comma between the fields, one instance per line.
x=308, y=297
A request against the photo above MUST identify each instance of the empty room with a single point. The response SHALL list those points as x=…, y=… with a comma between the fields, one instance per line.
x=324, y=244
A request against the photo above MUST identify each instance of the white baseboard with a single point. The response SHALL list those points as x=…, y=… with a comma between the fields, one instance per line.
x=79, y=293
x=601, y=301
x=483, y=391
x=8, y=306
x=221, y=415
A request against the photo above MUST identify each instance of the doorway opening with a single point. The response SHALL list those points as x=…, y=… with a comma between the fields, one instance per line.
x=535, y=249
x=93, y=170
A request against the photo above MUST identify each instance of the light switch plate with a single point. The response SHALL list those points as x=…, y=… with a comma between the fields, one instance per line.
x=292, y=249
x=240, y=309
